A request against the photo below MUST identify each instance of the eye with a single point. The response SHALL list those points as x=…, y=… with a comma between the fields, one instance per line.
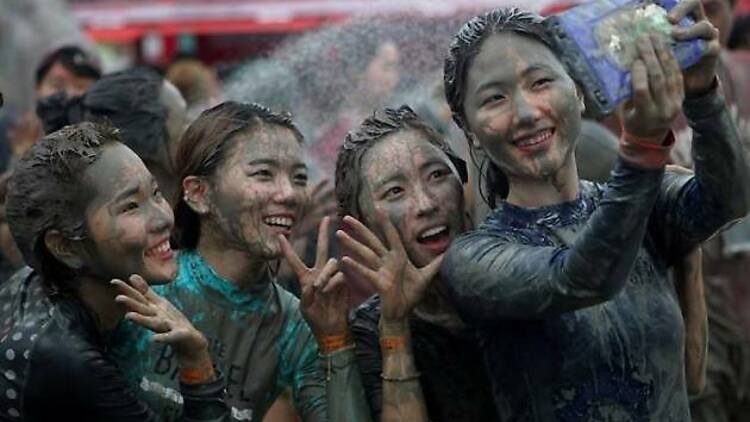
x=393, y=192
x=541, y=82
x=493, y=99
x=130, y=206
x=439, y=174
x=263, y=174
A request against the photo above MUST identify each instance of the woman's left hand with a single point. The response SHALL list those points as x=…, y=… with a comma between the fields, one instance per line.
x=325, y=295
x=699, y=78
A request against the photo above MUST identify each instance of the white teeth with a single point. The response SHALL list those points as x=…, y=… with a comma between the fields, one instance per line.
x=286, y=222
x=538, y=138
x=433, y=231
x=159, y=249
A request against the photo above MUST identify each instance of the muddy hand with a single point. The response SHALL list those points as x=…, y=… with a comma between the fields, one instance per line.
x=325, y=296
x=700, y=77
x=387, y=268
x=148, y=309
x=657, y=91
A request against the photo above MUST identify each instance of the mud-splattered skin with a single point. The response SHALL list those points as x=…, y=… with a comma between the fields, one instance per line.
x=264, y=175
x=127, y=215
x=413, y=182
x=525, y=92
x=579, y=319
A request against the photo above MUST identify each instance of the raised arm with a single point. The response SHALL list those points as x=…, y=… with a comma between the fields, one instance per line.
x=324, y=304
x=493, y=276
x=690, y=209
x=400, y=286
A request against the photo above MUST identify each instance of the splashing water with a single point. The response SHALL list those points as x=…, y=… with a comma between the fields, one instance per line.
x=332, y=78
x=29, y=29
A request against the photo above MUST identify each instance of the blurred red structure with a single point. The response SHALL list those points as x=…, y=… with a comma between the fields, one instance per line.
x=223, y=29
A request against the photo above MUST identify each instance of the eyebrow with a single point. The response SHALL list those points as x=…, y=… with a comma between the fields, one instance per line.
x=272, y=162
x=132, y=190
x=380, y=183
x=127, y=192
x=432, y=162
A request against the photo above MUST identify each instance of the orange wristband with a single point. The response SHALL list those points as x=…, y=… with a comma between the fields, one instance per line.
x=197, y=375
x=644, y=153
x=331, y=343
x=393, y=343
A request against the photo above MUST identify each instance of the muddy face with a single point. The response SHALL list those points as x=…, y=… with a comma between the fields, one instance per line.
x=128, y=220
x=259, y=191
x=522, y=107
x=413, y=182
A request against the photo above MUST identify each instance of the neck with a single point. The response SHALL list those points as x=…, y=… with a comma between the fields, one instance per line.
x=99, y=298
x=541, y=192
x=231, y=264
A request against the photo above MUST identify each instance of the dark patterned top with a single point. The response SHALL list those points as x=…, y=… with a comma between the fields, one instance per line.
x=579, y=319
x=56, y=366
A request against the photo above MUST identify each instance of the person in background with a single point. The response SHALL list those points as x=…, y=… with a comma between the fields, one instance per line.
x=196, y=82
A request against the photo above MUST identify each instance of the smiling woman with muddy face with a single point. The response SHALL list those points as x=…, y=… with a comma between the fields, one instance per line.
x=401, y=197
x=568, y=280
x=244, y=187
x=84, y=210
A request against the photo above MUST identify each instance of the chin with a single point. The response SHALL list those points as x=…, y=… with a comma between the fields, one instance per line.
x=162, y=275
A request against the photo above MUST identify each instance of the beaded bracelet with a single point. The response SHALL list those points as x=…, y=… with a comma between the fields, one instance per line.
x=406, y=378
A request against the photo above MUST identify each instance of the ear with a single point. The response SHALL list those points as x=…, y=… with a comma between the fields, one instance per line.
x=64, y=249
x=195, y=193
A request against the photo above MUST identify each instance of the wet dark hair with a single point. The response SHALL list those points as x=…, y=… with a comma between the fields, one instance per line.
x=72, y=58
x=464, y=47
x=131, y=101
x=381, y=124
x=44, y=193
x=205, y=146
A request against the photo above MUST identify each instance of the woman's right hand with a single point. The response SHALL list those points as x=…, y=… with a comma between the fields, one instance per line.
x=148, y=309
x=388, y=269
x=658, y=91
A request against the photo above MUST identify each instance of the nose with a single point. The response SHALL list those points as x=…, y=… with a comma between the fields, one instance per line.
x=525, y=111
x=286, y=193
x=426, y=203
x=161, y=218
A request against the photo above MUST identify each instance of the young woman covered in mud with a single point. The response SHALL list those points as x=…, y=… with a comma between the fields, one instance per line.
x=244, y=183
x=568, y=280
x=84, y=210
x=398, y=186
